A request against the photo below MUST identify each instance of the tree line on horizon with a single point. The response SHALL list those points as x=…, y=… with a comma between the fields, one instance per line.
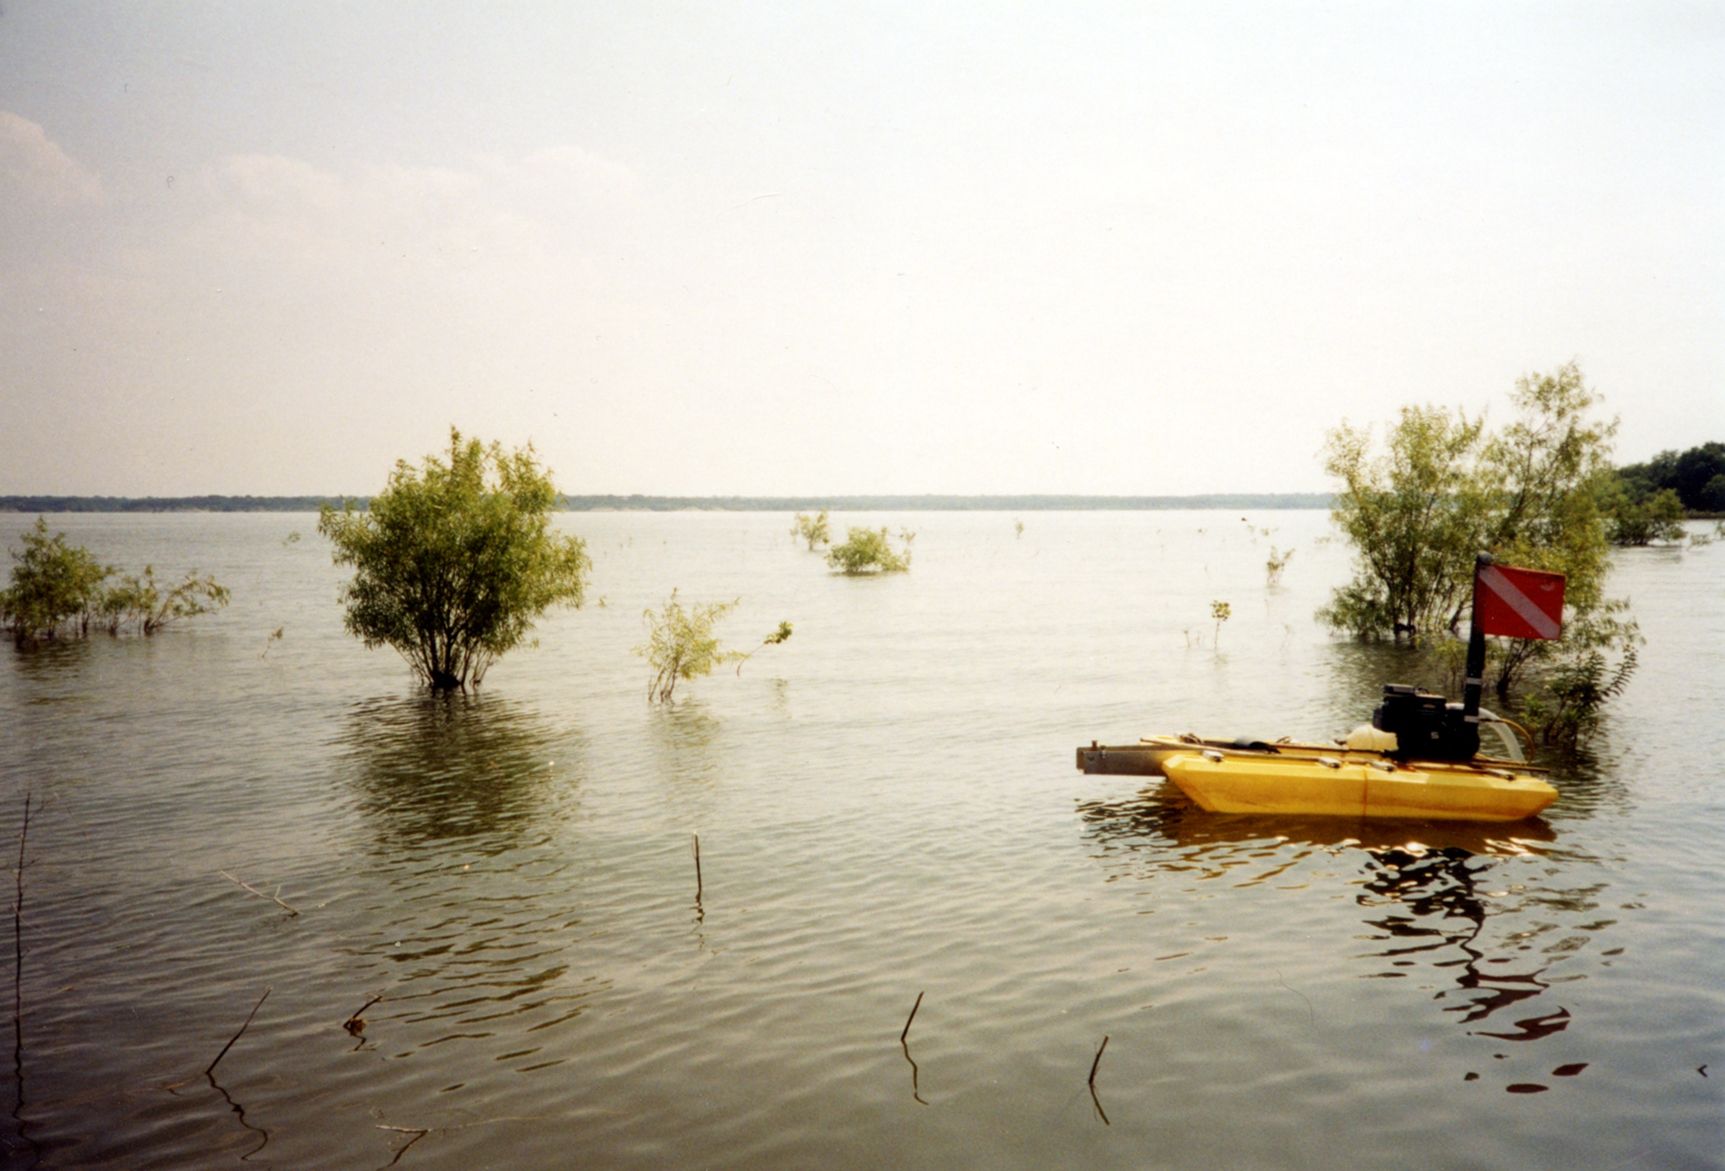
x=1667, y=487
x=642, y=503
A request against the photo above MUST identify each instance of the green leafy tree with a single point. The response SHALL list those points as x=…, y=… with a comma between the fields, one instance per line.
x=1713, y=495
x=55, y=585
x=1693, y=475
x=1548, y=473
x=812, y=529
x=1407, y=513
x=1655, y=517
x=1532, y=495
x=867, y=551
x=456, y=559
x=681, y=644
x=1696, y=469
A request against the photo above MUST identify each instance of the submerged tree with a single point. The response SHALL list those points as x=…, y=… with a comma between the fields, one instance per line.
x=1643, y=519
x=455, y=560
x=149, y=606
x=812, y=529
x=1530, y=495
x=681, y=644
x=1275, y=565
x=868, y=551
x=58, y=588
x=55, y=585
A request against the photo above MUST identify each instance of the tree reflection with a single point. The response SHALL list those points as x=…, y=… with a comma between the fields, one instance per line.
x=683, y=738
x=432, y=768
x=1422, y=890
x=1432, y=904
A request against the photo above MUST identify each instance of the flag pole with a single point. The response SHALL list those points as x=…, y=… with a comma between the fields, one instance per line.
x=1475, y=681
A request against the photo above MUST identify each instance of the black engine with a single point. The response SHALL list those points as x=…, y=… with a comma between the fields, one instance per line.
x=1425, y=727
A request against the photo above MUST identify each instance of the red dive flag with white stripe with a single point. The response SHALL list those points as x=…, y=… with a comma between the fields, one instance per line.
x=1518, y=603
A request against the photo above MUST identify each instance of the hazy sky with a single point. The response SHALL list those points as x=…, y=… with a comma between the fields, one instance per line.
x=804, y=247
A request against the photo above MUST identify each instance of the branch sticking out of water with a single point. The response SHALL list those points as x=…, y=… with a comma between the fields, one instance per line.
x=18, y=985
x=254, y=1012
x=1098, y=1060
x=910, y=1018
x=697, y=846
x=417, y=1133
x=276, y=899
x=355, y=1024
x=1094, y=1100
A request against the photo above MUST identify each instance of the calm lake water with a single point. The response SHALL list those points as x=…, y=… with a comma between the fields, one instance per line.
x=887, y=807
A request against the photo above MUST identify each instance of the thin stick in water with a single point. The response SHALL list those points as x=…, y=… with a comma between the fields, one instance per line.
x=697, y=868
x=1098, y=1060
x=18, y=982
x=254, y=1012
x=910, y=1018
x=276, y=899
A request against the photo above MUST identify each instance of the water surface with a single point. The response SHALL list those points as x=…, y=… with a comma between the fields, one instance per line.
x=887, y=807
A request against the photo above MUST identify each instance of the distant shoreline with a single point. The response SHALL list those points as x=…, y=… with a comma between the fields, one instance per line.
x=636, y=503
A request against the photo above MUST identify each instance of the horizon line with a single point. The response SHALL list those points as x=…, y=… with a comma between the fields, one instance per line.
x=594, y=502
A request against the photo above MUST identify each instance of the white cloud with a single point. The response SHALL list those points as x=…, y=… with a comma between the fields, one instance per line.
x=34, y=170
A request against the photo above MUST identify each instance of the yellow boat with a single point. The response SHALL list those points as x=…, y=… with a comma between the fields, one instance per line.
x=1339, y=786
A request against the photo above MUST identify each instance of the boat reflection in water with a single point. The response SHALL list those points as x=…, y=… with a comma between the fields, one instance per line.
x=1438, y=898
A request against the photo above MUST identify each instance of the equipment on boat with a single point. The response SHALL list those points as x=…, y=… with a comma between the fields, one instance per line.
x=1425, y=727
x=1421, y=757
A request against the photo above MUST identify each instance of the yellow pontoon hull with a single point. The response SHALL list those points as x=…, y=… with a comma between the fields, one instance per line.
x=1342, y=787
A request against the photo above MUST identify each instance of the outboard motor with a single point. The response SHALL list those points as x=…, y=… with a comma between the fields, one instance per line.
x=1425, y=727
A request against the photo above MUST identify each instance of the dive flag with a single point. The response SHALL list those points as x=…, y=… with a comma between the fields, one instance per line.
x=1518, y=603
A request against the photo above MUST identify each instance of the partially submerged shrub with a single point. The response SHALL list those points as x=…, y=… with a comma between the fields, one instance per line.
x=58, y=588
x=813, y=529
x=1275, y=565
x=681, y=644
x=870, y=551
x=149, y=606
x=55, y=587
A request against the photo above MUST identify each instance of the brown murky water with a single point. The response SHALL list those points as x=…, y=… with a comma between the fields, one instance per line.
x=886, y=807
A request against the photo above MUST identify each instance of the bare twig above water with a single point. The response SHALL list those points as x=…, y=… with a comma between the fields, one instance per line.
x=18, y=984
x=910, y=1018
x=697, y=847
x=1098, y=1060
x=18, y=923
x=1094, y=1100
x=417, y=1133
x=275, y=898
x=904, y=1044
x=355, y=1024
x=248, y=1023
